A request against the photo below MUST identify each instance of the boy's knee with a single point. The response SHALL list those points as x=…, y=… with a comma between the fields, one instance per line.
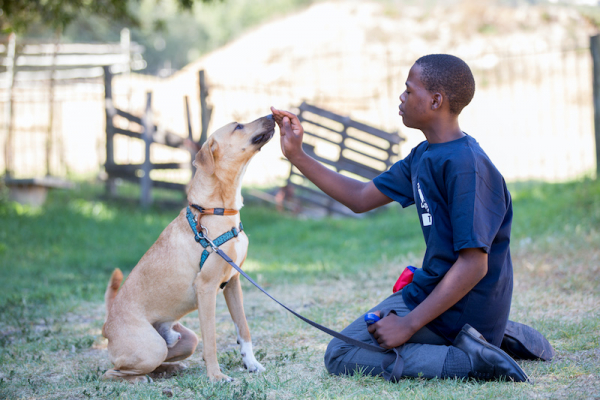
x=336, y=350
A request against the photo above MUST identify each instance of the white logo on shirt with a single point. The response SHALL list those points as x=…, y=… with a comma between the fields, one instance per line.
x=427, y=218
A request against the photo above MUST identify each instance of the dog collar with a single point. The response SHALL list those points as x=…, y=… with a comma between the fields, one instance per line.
x=214, y=211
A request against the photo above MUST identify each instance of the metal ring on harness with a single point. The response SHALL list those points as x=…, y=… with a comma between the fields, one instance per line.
x=213, y=247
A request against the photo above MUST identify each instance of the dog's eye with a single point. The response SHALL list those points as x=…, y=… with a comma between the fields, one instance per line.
x=239, y=126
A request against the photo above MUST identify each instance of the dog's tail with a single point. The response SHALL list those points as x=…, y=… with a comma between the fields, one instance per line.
x=113, y=287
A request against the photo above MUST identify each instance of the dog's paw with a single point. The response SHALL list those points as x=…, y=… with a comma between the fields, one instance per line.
x=219, y=377
x=117, y=375
x=172, y=338
x=252, y=365
x=169, y=368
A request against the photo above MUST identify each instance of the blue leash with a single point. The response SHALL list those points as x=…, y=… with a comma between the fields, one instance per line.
x=204, y=241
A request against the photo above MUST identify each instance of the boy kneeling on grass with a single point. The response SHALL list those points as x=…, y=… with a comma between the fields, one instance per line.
x=453, y=317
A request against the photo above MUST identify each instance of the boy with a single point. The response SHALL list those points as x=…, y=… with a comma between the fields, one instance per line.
x=451, y=319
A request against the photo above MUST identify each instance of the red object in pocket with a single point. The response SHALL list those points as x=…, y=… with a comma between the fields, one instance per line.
x=406, y=277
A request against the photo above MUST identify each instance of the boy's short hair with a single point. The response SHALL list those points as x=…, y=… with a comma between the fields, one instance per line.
x=449, y=75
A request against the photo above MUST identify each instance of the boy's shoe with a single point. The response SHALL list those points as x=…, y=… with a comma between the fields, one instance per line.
x=488, y=362
x=523, y=342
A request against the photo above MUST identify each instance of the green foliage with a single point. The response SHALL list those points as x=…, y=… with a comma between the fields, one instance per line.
x=19, y=15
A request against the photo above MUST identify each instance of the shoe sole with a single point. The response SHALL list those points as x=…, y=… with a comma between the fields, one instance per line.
x=525, y=343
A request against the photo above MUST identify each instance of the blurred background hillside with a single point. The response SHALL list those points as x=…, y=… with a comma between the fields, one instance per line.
x=532, y=111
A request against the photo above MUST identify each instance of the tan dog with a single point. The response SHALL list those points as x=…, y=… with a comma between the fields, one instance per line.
x=142, y=326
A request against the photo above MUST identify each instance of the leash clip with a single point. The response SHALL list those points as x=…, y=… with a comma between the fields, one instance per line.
x=210, y=242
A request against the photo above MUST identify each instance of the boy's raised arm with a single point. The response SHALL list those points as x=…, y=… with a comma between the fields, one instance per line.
x=354, y=194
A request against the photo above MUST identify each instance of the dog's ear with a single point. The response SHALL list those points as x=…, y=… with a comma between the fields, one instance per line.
x=205, y=158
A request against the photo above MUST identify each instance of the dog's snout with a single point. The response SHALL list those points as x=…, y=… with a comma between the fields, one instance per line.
x=269, y=121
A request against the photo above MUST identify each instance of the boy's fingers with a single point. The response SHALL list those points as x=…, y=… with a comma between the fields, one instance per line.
x=288, y=114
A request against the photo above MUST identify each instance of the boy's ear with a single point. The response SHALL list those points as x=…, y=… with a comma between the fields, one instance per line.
x=205, y=158
x=436, y=101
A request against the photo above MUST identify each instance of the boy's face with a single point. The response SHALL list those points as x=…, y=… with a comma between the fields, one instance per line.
x=415, y=102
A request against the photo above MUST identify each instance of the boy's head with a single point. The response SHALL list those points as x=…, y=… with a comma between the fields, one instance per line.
x=450, y=76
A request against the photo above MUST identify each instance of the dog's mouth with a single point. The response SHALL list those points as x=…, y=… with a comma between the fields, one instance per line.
x=269, y=130
x=262, y=139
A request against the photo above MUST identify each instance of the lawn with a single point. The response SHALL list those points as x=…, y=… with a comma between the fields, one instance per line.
x=55, y=262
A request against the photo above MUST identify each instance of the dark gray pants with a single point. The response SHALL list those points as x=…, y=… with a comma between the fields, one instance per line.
x=423, y=354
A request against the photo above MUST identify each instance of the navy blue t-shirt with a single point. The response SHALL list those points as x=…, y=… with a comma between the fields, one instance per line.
x=462, y=202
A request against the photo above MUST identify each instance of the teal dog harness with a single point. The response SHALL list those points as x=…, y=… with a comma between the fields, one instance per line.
x=200, y=237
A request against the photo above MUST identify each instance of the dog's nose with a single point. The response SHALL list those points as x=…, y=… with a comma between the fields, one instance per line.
x=270, y=116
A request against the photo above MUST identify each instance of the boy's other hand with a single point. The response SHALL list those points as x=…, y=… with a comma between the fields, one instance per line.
x=291, y=133
x=391, y=331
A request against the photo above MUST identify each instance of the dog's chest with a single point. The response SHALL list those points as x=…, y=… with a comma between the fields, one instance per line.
x=240, y=248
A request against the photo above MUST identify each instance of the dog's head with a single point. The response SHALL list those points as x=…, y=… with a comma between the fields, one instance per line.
x=231, y=147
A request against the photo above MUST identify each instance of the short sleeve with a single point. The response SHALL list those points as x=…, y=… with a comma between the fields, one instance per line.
x=396, y=183
x=477, y=206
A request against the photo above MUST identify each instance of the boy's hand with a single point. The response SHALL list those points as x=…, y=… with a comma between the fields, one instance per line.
x=391, y=331
x=291, y=133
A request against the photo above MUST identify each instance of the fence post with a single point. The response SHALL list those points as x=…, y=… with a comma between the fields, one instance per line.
x=109, y=111
x=146, y=183
x=9, y=111
x=49, y=136
x=595, y=48
x=190, y=136
x=205, y=110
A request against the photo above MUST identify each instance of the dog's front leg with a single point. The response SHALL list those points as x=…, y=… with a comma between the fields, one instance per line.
x=207, y=300
x=234, y=298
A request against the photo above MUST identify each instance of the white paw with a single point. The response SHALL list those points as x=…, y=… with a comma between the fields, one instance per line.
x=251, y=364
x=166, y=331
x=172, y=338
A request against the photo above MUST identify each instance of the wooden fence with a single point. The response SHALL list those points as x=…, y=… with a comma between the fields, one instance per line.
x=150, y=134
x=36, y=79
x=344, y=145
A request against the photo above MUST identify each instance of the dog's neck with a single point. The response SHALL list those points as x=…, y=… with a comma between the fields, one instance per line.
x=217, y=192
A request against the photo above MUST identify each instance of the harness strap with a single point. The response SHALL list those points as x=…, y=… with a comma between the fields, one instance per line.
x=394, y=355
x=233, y=233
x=199, y=236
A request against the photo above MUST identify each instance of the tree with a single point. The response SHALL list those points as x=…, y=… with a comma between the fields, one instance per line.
x=20, y=15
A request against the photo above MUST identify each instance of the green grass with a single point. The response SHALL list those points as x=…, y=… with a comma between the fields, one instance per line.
x=55, y=262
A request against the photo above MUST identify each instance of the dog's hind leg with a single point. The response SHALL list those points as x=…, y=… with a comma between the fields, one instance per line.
x=186, y=345
x=135, y=352
x=235, y=303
